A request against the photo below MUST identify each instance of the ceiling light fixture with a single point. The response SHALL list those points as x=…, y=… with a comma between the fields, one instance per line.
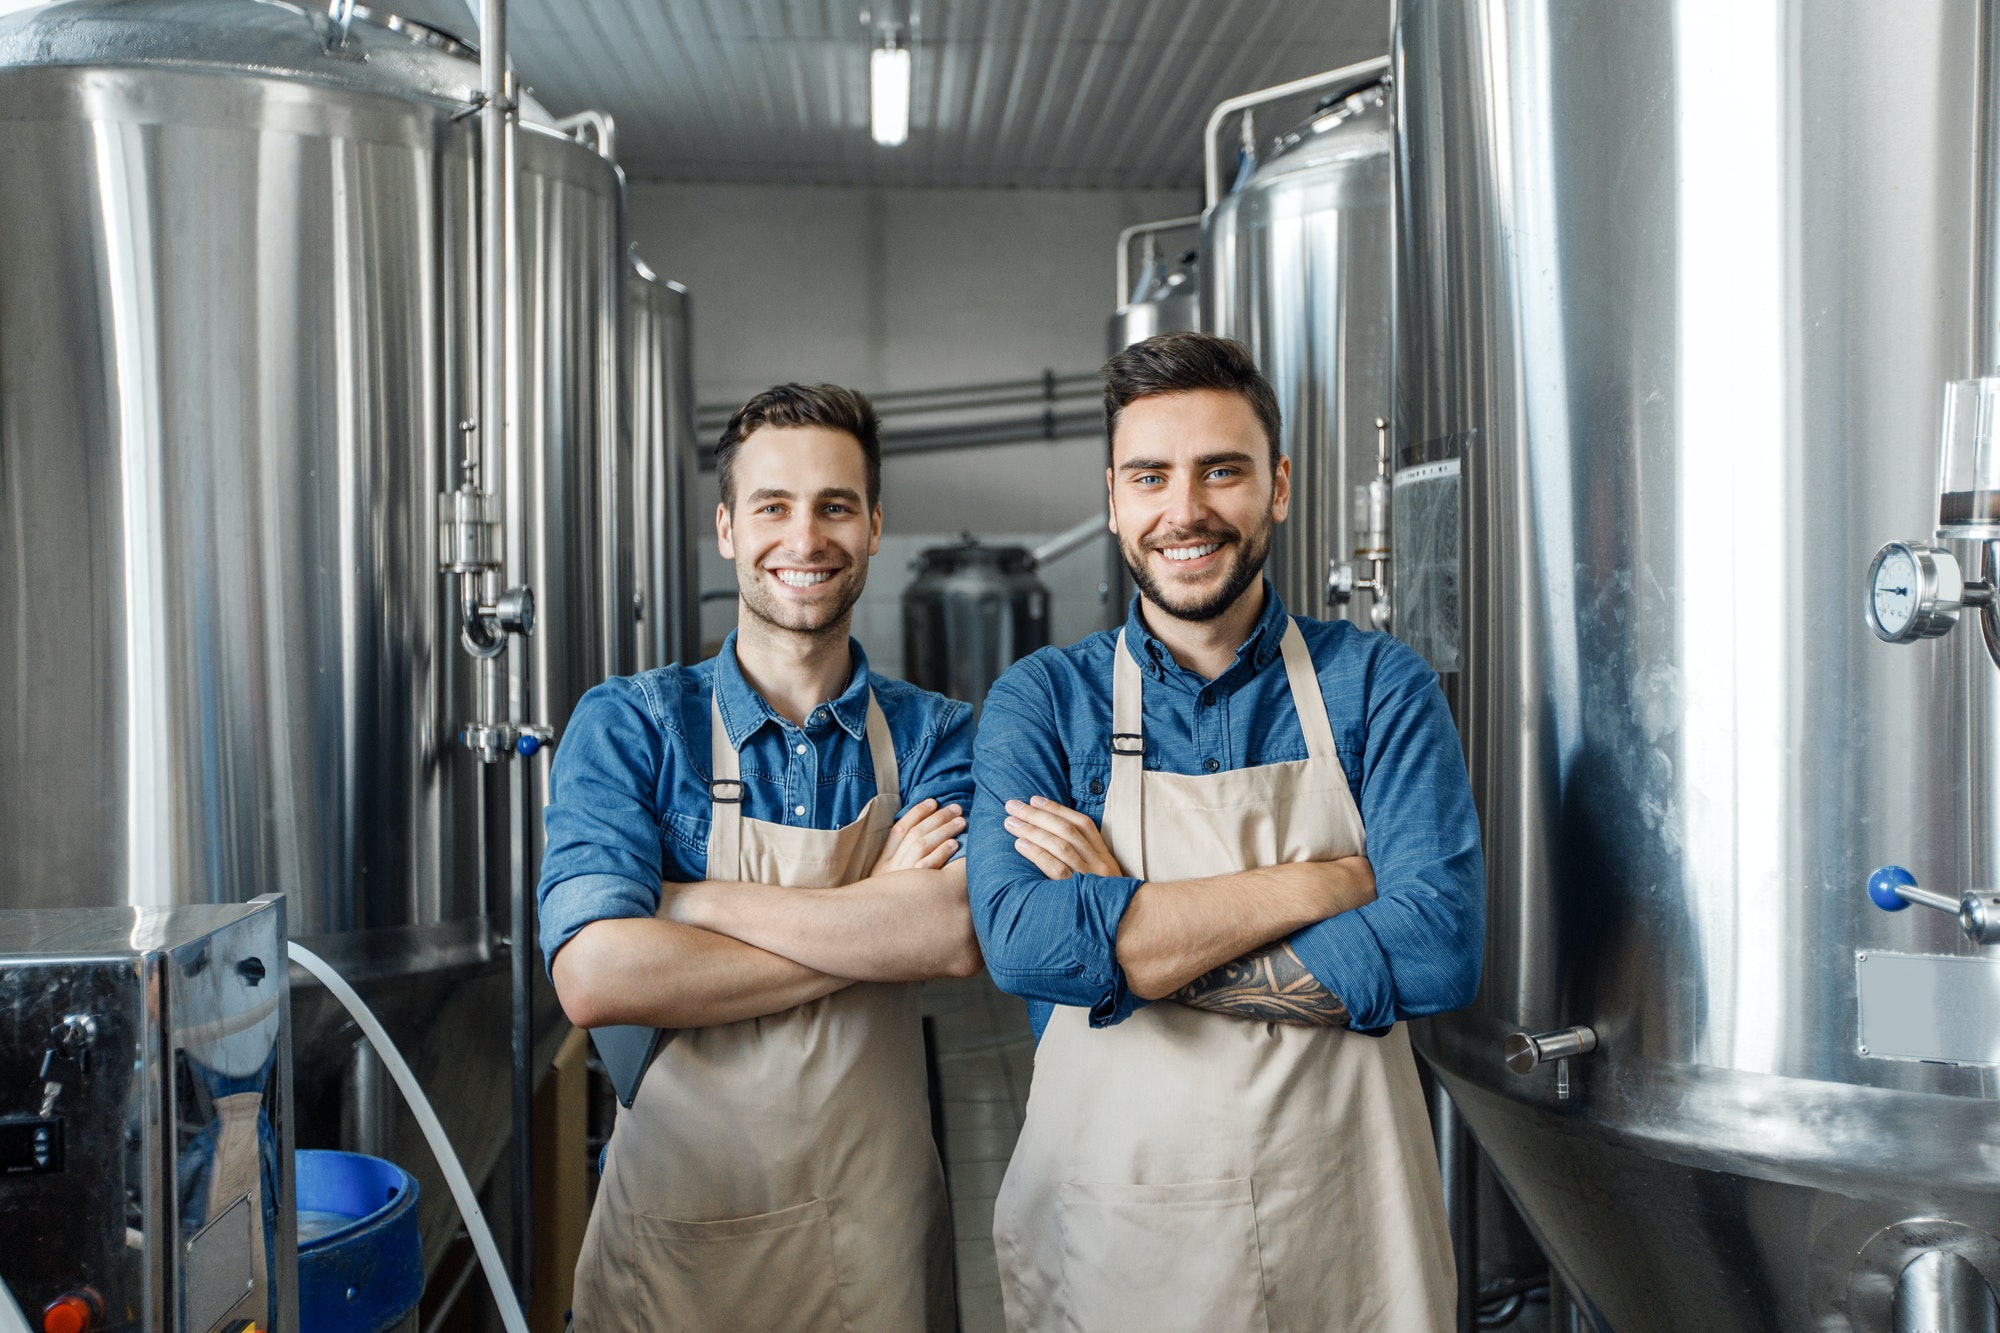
x=889, y=93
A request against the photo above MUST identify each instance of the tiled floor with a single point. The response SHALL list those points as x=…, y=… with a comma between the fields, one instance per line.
x=985, y=1054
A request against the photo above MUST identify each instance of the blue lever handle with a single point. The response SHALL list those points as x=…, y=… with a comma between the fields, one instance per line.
x=1882, y=887
x=529, y=745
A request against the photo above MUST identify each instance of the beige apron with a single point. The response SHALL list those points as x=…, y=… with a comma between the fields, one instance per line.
x=1189, y=1170
x=778, y=1174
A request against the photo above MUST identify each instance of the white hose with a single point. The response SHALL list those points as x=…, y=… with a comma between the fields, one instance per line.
x=420, y=1106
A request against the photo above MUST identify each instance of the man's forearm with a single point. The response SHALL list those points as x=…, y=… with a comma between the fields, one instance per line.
x=658, y=973
x=1177, y=931
x=909, y=925
x=1271, y=985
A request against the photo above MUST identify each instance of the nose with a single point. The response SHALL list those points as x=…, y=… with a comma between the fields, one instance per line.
x=804, y=536
x=1186, y=502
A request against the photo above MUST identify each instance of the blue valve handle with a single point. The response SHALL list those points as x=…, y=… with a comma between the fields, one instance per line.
x=1882, y=887
x=529, y=745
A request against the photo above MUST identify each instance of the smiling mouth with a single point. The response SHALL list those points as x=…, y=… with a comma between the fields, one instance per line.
x=803, y=578
x=1185, y=553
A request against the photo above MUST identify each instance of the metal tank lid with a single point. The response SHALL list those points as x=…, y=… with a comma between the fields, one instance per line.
x=1351, y=124
x=380, y=52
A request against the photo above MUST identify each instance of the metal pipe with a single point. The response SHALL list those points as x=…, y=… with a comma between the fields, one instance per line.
x=595, y=130
x=1132, y=233
x=1458, y=1166
x=1986, y=200
x=1069, y=539
x=1359, y=74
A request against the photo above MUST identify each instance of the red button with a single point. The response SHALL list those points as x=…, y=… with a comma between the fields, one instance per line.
x=68, y=1314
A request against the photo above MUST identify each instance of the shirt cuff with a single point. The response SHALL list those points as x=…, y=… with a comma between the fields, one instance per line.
x=1344, y=956
x=1101, y=901
x=570, y=905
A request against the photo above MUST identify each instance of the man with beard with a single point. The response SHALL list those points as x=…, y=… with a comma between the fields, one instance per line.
x=774, y=1168
x=1225, y=1128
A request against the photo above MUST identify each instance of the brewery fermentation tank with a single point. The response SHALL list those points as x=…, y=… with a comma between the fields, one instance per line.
x=972, y=611
x=661, y=391
x=1676, y=308
x=237, y=335
x=1296, y=264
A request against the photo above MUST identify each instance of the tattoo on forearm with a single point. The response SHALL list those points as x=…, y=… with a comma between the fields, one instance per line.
x=1270, y=984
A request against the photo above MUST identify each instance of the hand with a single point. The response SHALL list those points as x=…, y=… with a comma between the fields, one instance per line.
x=1059, y=841
x=923, y=839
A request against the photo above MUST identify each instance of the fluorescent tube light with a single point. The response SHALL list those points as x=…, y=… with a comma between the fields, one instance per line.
x=889, y=95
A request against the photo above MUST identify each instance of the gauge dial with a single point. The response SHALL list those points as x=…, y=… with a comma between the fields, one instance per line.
x=1893, y=592
x=1914, y=592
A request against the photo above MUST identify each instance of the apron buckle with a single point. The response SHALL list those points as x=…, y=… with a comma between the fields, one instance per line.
x=1134, y=747
x=716, y=785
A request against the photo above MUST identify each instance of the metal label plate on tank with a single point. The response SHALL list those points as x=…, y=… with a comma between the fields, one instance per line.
x=1931, y=1007
x=1426, y=520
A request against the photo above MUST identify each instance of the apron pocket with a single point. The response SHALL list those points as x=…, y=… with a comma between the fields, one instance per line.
x=1159, y=1258
x=772, y=1271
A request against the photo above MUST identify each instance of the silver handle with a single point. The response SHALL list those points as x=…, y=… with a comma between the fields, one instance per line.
x=1523, y=1051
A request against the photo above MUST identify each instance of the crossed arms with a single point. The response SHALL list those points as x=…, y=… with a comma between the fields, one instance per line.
x=718, y=952
x=1215, y=943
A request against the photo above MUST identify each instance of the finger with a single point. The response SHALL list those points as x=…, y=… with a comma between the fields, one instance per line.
x=1075, y=818
x=914, y=816
x=1050, y=866
x=925, y=839
x=1059, y=829
x=1051, y=841
x=939, y=819
x=940, y=855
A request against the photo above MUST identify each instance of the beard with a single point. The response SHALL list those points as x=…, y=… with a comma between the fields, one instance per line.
x=1246, y=564
x=826, y=618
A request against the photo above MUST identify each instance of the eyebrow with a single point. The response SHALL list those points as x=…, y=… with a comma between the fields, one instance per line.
x=1206, y=460
x=829, y=493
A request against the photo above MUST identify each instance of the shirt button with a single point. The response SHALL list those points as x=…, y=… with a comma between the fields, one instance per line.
x=819, y=716
x=1207, y=698
x=800, y=810
x=1210, y=765
x=1096, y=787
x=800, y=750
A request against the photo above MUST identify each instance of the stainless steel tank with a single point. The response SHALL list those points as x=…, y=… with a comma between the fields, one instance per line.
x=1166, y=300
x=1676, y=305
x=1296, y=264
x=236, y=335
x=972, y=611
x=664, y=524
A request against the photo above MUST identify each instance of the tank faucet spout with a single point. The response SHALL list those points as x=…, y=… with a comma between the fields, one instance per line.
x=1523, y=1051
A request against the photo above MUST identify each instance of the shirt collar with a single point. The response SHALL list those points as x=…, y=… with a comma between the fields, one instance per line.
x=744, y=710
x=1259, y=650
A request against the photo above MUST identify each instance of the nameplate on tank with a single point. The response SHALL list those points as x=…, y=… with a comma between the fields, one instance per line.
x=1935, y=1008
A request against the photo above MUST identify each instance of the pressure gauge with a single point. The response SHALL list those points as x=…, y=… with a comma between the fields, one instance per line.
x=1914, y=592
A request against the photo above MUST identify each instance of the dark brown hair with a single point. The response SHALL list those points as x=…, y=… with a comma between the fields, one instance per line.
x=1181, y=362
x=787, y=405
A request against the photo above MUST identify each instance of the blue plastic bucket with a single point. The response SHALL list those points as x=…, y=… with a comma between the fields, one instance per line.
x=361, y=1261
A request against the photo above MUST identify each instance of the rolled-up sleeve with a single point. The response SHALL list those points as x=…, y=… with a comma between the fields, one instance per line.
x=1416, y=949
x=944, y=772
x=603, y=857
x=1052, y=940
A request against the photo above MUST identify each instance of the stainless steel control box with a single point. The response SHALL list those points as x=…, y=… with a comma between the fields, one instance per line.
x=146, y=1119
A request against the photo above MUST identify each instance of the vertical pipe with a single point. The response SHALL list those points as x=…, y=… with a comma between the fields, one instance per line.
x=502, y=681
x=1458, y=1164
x=1986, y=198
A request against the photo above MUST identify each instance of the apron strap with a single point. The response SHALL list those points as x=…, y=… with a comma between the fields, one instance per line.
x=1124, y=803
x=725, y=799
x=1307, y=698
x=883, y=751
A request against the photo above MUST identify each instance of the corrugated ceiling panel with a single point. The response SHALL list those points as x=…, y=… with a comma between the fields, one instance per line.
x=1052, y=93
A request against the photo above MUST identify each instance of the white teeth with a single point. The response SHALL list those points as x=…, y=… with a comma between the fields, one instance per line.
x=1189, y=552
x=799, y=578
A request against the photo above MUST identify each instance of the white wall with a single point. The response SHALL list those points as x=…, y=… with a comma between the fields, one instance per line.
x=908, y=289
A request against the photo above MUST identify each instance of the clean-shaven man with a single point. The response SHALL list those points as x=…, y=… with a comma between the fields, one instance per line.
x=775, y=1169
x=1222, y=852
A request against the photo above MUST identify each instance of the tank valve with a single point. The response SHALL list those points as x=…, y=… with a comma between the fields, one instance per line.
x=1371, y=541
x=1893, y=888
x=1523, y=1051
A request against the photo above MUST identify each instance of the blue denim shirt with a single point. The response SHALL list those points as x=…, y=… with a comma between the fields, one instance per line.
x=628, y=795
x=1046, y=732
